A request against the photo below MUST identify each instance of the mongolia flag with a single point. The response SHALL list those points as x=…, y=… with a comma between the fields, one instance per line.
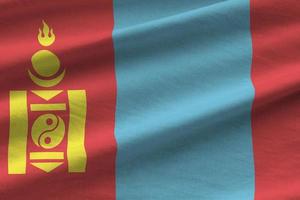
x=149, y=100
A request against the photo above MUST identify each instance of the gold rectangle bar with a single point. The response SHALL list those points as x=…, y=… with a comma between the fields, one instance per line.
x=76, y=152
x=48, y=107
x=46, y=155
x=18, y=130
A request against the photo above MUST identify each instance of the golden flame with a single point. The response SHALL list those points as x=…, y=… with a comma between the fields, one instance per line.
x=46, y=36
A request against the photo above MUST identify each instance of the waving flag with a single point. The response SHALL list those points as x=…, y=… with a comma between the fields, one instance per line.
x=149, y=100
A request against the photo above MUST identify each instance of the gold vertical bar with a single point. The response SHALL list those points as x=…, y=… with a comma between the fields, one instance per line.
x=18, y=130
x=76, y=149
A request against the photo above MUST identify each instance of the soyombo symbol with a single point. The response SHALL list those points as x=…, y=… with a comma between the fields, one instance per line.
x=48, y=130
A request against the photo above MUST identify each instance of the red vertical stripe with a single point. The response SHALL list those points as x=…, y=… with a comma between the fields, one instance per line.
x=83, y=30
x=276, y=111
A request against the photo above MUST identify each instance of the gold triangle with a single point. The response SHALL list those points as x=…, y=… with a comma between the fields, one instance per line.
x=47, y=94
x=47, y=166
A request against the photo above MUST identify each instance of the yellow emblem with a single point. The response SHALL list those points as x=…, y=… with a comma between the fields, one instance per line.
x=49, y=129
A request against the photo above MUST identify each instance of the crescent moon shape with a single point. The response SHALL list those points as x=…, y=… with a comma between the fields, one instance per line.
x=46, y=83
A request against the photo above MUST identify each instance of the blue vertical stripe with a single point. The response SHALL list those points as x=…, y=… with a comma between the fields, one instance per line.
x=184, y=100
